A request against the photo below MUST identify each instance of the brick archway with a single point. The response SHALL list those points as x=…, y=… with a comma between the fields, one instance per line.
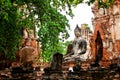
x=99, y=48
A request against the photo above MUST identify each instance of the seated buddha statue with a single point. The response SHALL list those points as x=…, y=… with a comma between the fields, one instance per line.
x=77, y=47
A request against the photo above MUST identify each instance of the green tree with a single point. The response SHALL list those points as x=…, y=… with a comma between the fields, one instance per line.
x=9, y=32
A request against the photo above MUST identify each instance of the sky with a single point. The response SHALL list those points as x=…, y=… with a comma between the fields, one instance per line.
x=82, y=14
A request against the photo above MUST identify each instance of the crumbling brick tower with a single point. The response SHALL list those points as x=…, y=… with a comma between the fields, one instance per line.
x=106, y=37
x=30, y=48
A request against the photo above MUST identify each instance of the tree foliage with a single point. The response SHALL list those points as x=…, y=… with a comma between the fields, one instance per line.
x=45, y=14
x=9, y=29
x=101, y=3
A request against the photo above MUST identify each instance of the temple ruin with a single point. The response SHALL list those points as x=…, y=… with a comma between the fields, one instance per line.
x=106, y=37
x=103, y=49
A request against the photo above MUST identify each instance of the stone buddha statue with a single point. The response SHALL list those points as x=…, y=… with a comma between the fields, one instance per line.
x=78, y=46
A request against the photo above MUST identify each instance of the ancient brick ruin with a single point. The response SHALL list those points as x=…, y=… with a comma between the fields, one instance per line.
x=106, y=32
x=103, y=45
x=29, y=48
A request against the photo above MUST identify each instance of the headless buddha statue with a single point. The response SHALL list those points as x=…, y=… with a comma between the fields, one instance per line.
x=78, y=46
